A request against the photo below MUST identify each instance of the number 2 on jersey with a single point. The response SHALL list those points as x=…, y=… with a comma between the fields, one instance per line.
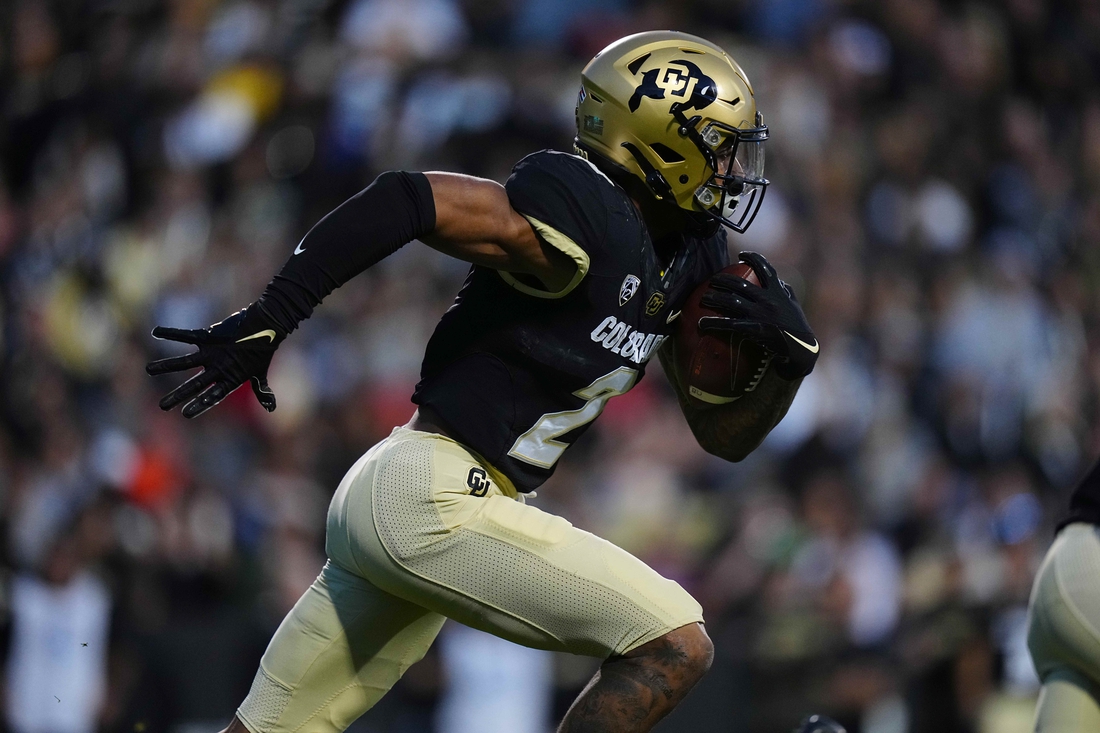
x=539, y=445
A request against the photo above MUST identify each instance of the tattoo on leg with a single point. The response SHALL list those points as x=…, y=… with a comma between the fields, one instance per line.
x=630, y=693
x=670, y=654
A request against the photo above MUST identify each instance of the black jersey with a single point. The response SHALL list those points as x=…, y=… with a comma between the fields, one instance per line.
x=516, y=373
x=1084, y=505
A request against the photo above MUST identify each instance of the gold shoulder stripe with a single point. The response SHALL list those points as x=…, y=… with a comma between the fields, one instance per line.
x=562, y=243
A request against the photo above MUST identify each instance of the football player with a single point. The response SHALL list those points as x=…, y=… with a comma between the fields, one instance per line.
x=1064, y=618
x=580, y=266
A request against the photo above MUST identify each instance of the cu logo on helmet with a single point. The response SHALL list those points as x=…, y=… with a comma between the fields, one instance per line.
x=681, y=79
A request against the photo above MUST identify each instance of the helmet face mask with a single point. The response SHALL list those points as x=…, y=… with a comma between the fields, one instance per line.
x=735, y=156
x=677, y=113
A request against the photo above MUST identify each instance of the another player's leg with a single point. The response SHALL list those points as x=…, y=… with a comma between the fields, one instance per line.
x=1067, y=704
x=1064, y=632
x=631, y=692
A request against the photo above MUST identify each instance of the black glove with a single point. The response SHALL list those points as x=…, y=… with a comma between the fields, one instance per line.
x=768, y=314
x=237, y=349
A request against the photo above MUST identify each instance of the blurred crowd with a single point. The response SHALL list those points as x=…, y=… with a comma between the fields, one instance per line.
x=936, y=181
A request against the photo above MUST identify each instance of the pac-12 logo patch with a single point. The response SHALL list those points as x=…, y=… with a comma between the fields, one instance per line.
x=681, y=79
x=630, y=286
x=478, y=481
x=655, y=303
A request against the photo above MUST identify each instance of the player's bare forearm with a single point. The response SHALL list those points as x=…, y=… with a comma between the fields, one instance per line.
x=475, y=222
x=734, y=430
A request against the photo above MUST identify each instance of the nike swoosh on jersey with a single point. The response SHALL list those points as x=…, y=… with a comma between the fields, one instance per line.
x=812, y=349
x=298, y=250
x=268, y=332
x=672, y=317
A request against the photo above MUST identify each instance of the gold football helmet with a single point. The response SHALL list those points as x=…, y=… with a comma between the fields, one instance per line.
x=677, y=112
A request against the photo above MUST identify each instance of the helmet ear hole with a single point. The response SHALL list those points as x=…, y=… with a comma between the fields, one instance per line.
x=666, y=153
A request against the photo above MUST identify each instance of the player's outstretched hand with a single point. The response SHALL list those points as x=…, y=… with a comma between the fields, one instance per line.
x=768, y=314
x=230, y=352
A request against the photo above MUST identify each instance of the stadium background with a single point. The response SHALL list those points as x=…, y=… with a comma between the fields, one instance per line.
x=935, y=202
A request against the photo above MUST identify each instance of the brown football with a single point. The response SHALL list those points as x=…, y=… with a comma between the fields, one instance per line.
x=716, y=368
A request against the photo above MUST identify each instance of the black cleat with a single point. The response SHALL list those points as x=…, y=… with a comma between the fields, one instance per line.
x=820, y=724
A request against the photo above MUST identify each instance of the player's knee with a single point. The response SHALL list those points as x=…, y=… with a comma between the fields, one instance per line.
x=685, y=654
x=698, y=647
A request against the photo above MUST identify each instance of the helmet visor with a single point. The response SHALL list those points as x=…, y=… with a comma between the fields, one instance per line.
x=736, y=187
x=746, y=163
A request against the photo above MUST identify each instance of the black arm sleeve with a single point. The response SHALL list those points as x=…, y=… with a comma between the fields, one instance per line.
x=373, y=224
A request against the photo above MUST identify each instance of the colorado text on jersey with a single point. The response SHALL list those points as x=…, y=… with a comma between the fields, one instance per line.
x=622, y=339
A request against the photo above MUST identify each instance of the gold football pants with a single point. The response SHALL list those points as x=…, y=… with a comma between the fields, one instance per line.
x=1064, y=632
x=419, y=530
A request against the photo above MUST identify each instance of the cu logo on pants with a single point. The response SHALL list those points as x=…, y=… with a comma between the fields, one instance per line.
x=478, y=481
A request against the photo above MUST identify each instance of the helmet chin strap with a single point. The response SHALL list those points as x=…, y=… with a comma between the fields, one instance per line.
x=657, y=183
x=695, y=225
x=700, y=224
